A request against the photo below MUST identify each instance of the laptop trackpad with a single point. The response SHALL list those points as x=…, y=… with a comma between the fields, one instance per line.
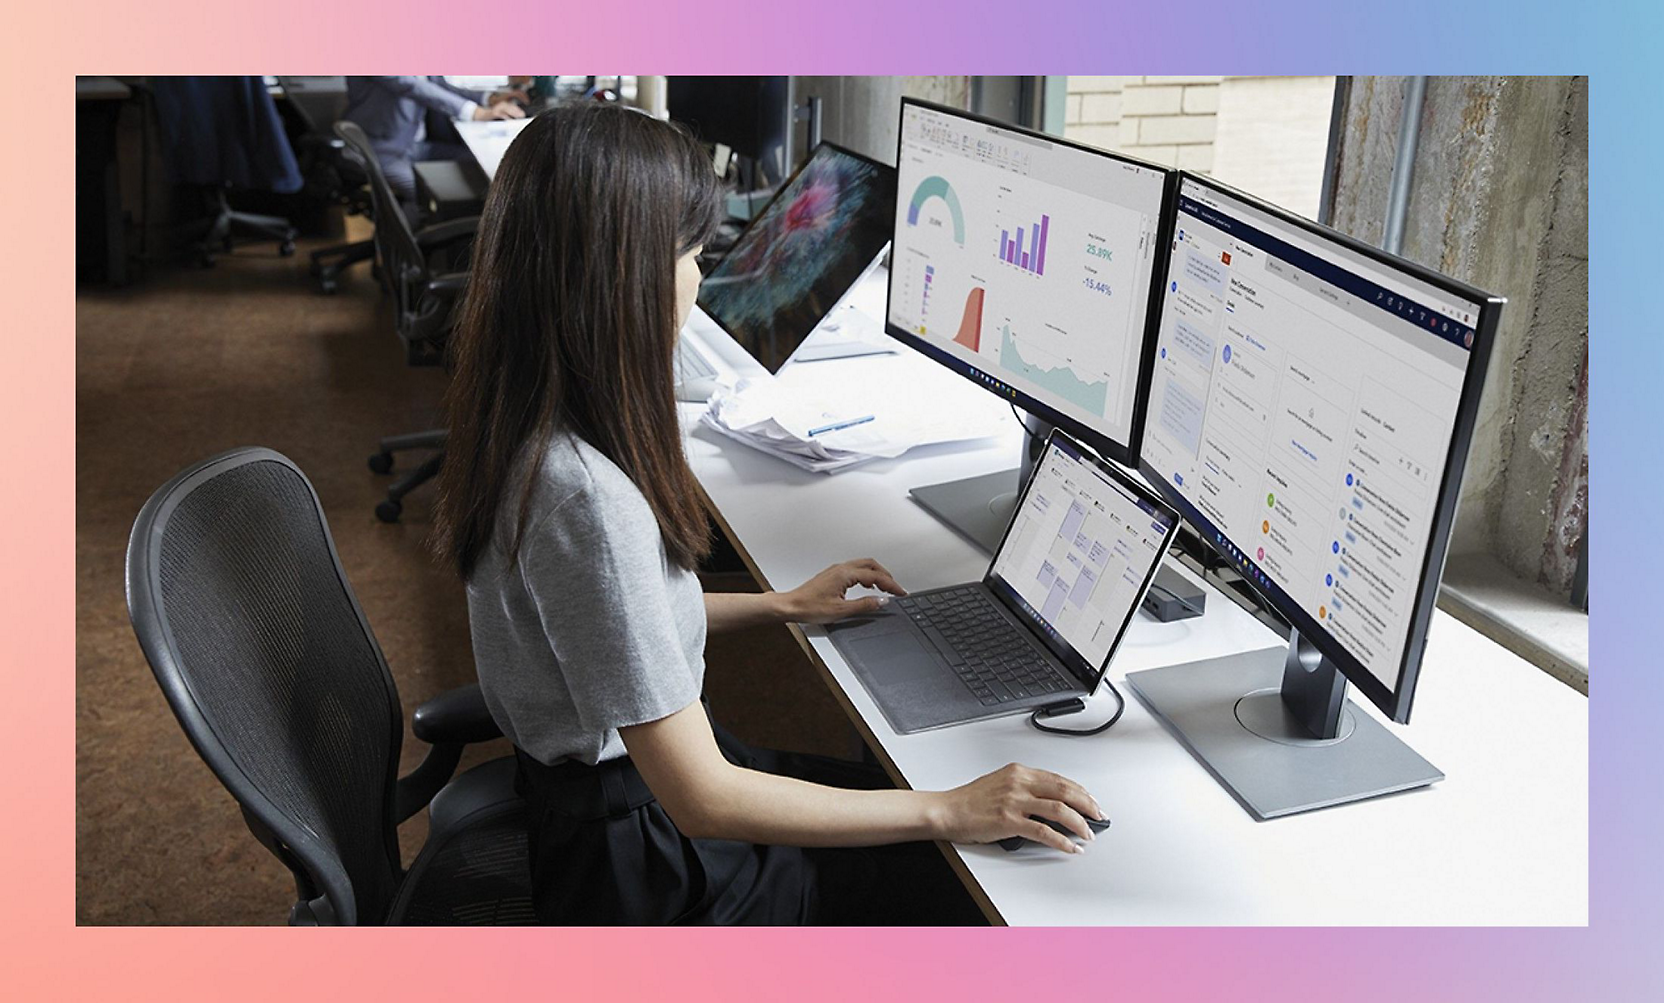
x=895, y=658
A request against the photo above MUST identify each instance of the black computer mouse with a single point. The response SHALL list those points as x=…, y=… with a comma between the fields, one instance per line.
x=1010, y=843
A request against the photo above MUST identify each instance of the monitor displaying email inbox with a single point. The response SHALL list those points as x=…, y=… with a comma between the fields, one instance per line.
x=1305, y=408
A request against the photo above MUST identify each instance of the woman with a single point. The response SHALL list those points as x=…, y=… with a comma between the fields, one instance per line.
x=568, y=507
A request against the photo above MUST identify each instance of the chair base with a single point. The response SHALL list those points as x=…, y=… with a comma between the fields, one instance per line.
x=228, y=224
x=328, y=263
x=390, y=508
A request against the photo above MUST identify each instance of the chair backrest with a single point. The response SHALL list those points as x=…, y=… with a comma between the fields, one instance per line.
x=401, y=256
x=248, y=622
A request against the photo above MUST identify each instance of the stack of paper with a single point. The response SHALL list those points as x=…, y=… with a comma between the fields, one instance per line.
x=822, y=418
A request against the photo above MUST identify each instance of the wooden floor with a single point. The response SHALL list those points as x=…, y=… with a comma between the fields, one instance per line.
x=192, y=362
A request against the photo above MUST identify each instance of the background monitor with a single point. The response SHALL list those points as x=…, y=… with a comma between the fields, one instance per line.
x=808, y=247
x=1309, y=413
x=751, y=115
x=1029, y=264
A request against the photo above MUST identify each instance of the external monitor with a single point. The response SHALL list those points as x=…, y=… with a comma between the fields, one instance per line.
x=1030, y=265
x=1309, y=413
x=750, y=114
x=822, y=231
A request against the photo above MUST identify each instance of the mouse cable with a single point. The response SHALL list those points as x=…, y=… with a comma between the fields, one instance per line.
x=1120, y=707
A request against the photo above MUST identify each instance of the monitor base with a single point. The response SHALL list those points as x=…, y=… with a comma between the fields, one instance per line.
x=977, y=508
x=1230, y=713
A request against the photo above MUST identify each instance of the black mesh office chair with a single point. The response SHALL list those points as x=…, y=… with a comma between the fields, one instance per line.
x=253, y=633
x=414, y=267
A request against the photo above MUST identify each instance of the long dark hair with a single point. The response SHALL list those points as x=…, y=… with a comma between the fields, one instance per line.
x=569, y=323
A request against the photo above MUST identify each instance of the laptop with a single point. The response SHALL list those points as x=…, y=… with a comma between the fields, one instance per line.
x=795, y=264
x=1040, y=628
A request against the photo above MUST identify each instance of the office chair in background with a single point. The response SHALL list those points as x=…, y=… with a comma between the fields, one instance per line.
x=413, y=268
x=241, y=606
x=221, y=134
x=333, y=177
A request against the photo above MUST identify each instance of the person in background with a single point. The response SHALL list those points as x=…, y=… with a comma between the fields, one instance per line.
x=567, y=506
x=392, y=111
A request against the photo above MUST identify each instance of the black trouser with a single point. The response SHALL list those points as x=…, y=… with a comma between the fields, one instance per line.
x=604, y=852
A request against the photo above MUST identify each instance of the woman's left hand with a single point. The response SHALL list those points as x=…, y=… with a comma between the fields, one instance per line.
x=821, y=598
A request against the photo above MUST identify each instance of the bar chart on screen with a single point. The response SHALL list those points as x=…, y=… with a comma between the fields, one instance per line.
x=1027, y=248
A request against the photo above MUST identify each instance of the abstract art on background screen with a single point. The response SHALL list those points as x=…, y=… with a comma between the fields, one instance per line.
x=802, y=254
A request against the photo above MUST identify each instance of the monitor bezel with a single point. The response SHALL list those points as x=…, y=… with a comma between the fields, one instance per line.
x=751, y=226
x=1394, y=701
x=1125, y=453
x=1066, y=653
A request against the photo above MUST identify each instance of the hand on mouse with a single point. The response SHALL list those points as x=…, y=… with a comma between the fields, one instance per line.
x=999, y=804
x=821, y=598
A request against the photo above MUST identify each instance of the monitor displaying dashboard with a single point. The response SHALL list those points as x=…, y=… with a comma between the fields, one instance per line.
x=1309, y=412
x=1029, y=264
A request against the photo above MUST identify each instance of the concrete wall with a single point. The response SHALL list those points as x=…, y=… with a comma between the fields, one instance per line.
x=1499, y=199
x=862, y=112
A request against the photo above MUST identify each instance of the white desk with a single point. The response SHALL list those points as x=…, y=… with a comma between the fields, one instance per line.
x=488, y=141
x=1502, y=841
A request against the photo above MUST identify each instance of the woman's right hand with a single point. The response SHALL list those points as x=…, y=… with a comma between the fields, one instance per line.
x=999, y=804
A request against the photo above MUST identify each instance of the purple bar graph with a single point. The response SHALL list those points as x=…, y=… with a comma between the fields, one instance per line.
x=1030, y=254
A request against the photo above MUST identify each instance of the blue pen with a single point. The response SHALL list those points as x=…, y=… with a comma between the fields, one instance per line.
x=841, y=424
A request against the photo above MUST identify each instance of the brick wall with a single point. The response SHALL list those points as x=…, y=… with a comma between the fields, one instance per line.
x=1167, y=120
x=1265, y=135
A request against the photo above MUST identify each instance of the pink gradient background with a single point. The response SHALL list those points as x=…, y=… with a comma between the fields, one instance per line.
x=42, y=953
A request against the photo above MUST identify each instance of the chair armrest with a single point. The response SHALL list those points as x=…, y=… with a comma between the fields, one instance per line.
x=449, y=285
x=448, y=232
x=447, y=722
x=458, y=715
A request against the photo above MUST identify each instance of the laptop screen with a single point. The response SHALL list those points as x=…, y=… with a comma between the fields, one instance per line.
x=1079, y=554
x=802, y=253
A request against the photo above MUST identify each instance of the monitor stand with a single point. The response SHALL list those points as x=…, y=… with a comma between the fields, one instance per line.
x=979, y=508
x=1275, y=728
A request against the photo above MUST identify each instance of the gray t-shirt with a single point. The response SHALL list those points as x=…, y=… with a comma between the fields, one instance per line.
x=595, y=628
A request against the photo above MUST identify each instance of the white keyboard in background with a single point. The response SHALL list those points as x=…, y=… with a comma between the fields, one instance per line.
x=690, y=365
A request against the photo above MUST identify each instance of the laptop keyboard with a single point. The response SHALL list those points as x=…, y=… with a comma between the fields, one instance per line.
x=991, y=657
x=690, y=365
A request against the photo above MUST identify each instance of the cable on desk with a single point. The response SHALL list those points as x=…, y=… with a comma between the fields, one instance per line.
x=1120, y=707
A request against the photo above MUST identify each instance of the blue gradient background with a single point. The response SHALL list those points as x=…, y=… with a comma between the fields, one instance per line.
x=1617, y=44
